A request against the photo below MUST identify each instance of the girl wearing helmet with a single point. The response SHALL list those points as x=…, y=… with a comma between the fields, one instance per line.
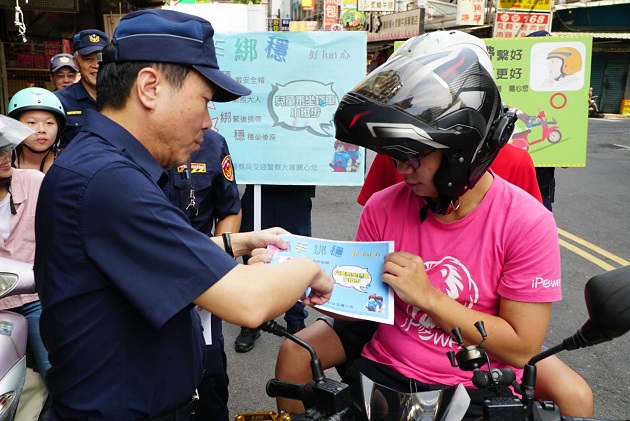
x=461, y=232
x=41, y=110
x=19, y=190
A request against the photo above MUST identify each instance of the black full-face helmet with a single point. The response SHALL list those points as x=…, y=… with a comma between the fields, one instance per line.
x=445, y=100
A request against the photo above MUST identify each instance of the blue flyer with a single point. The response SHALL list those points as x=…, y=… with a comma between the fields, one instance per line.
x=355, y=267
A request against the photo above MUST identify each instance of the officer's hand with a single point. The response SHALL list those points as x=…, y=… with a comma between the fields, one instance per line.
x=245, y=243
x=321, y=289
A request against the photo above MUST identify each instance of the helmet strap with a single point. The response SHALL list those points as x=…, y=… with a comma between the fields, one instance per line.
x=442, y=206
x=7, y=183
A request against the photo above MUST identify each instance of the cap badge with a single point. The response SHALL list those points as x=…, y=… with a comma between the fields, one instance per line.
x=94, y=38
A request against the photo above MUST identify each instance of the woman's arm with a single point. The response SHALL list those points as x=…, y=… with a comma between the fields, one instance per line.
x=514, y=336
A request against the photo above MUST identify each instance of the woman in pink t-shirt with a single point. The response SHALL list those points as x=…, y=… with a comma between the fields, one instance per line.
x=468, y=244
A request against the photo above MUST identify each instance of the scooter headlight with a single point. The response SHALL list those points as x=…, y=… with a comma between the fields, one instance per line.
x=6, y=400
x=8, y=281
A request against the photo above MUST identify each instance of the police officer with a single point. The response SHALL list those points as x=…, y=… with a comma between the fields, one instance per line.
x=118, y=267
x=80, y=97
x=205, y=189
x=63, y=71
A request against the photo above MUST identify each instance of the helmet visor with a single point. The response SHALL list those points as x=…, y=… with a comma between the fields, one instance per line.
x=12, y=133
x=420, y=86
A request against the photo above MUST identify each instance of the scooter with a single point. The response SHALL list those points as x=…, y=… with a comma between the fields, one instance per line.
x=607, y=299
x=550, y=131
x=15, y=278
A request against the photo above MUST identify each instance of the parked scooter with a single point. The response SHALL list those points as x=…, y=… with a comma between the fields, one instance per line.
x=607, y=299
x=15, y=278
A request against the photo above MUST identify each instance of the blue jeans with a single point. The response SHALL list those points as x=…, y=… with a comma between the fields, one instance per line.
x=32, y=312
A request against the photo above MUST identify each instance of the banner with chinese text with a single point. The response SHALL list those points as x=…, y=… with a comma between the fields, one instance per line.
x=376, y=5
x=331, y=13
x=547, y=80
x=520, y=24
x=283, y=133
x=526, y=5
x=470, y=12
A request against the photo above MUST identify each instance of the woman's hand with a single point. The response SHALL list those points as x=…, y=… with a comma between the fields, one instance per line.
x=260, y=255
x=405, y=273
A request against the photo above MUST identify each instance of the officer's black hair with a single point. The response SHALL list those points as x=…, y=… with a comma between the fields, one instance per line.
x=114, y=80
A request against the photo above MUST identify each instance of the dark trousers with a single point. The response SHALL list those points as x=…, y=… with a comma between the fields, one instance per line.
x=287, y=207
x=547, y=184
x=213, y=390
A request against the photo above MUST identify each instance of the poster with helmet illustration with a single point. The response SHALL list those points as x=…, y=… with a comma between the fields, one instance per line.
x=546, y=79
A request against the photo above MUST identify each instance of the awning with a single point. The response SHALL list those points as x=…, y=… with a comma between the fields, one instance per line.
x=596, y=35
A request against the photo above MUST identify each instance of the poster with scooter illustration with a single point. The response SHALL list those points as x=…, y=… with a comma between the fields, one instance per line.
x=546, y=79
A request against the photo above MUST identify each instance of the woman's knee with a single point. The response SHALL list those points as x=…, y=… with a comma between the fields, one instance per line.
x=293, y=360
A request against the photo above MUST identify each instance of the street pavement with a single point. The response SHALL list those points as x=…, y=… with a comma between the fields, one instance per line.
x=591, y=211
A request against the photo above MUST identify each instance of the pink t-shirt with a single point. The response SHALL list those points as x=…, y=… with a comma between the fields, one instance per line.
x=506, y=247
x=20, y=245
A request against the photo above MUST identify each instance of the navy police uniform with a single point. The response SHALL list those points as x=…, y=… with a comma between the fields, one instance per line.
x=75, y=98
x=117, y=266
x=211, y=179
x=123, y=305
x=76, y=101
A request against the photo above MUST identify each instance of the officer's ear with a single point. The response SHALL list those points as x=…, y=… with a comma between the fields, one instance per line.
x=149, y=85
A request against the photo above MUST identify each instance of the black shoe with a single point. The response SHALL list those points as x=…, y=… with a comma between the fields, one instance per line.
x=246, y=340
x=294, y=328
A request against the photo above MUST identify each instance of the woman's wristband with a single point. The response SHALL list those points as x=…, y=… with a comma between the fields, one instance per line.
x=227, y=243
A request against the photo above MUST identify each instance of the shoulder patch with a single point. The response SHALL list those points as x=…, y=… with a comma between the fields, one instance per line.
x=228, y=168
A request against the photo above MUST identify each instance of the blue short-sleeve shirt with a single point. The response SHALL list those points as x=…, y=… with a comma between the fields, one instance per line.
x=76, y=101
x=117, y=268
x=213, y=183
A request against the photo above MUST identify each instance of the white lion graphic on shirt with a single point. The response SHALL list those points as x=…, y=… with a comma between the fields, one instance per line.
x=457, y=284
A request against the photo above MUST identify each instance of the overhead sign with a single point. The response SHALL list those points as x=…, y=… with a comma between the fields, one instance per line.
x=331, y=13
x=470, y=12
x=376, y=5
x=276, y=25
x=303, y=25
x=526, y=5
x=395, y=26
x=520, y=24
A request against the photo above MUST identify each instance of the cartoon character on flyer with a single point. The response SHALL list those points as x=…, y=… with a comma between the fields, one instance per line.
x=341, y=160
x=355, y=157
x=375, y=303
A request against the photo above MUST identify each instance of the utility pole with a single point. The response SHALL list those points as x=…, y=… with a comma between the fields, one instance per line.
x=421, y=6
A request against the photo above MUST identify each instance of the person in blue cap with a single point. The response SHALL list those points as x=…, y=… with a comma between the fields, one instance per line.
x=81, y=96
x=63, y=71
x=288, y=207
x=205, y=190
x=118, y=267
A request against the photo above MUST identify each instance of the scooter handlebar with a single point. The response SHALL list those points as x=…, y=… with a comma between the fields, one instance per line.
x=282, y=389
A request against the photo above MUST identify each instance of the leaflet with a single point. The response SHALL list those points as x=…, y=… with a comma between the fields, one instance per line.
x=356, y=268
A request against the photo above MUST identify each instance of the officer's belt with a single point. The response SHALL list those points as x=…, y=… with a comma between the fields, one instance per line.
x=183, y=413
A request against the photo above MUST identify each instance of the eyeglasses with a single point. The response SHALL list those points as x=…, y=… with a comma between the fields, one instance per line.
x=414, y=161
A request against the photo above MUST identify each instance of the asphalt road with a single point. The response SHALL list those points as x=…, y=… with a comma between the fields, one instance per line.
x=591, y=213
